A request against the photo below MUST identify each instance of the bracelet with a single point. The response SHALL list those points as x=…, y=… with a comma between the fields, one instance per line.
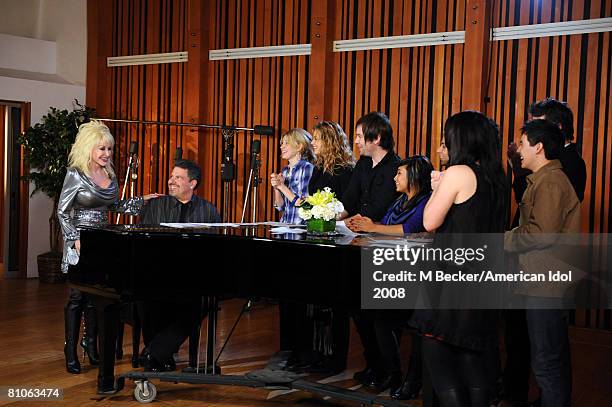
x=294, y=200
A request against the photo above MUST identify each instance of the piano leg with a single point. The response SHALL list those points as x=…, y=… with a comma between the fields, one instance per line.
x=108, y=319
x=211, y=343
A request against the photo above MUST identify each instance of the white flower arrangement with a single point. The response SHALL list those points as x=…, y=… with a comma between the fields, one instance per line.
x=321, y=205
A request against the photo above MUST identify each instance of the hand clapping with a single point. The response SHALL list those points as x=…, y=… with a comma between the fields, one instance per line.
x=276, y=180
x=436, y=177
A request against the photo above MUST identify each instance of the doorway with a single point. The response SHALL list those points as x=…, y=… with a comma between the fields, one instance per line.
x=14, y=119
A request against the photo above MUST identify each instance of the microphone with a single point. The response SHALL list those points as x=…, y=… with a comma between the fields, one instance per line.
x=133, y=147
x=255, y=146
x=264, y=130
x=255, y=149
x=178, y=153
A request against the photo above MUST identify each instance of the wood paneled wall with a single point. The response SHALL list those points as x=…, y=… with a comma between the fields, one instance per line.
x=573, y=68
x=417, y=87
x=146, y=92
x=248, y=92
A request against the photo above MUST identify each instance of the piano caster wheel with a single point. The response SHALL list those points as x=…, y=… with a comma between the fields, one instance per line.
x=145, y=391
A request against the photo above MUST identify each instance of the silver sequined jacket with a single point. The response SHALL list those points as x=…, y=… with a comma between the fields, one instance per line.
x=84, y=203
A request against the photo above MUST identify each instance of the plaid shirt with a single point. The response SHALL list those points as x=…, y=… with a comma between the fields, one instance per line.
x=296, y=179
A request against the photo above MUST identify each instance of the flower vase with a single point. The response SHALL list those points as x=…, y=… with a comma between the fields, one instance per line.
x=320, y=226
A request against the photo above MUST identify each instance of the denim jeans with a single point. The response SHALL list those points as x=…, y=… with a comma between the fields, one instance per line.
x=550, y=355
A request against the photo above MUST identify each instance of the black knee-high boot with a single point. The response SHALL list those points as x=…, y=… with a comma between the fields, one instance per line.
x=413, y=382
x=72, y=324
x=90, y=333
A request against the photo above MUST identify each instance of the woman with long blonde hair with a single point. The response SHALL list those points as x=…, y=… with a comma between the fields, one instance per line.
x=334, y=159
x=90, y=190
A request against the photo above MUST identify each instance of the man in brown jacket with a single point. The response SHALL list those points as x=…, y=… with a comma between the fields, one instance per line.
x=549, y=206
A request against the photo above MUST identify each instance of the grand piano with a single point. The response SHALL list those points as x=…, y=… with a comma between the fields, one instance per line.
x=127, y=263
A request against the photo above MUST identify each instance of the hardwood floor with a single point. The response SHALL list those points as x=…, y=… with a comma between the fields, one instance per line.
x=31, y=328
x=31, y=344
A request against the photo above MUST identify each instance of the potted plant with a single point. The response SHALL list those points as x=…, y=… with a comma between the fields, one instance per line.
x=46, y=147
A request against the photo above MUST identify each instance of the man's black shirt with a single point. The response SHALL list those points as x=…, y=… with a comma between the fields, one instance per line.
x=168, y=209
x=371, y=191
x=575, y=168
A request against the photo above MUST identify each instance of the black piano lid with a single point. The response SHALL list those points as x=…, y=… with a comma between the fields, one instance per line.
x=259, y=232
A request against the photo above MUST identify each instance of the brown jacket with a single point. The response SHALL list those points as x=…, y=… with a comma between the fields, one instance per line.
x=549, y=207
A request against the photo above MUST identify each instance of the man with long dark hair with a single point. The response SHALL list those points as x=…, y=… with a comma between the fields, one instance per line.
x=370, y=193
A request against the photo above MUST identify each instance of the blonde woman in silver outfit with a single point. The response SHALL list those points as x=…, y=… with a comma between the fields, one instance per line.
x=90, y=190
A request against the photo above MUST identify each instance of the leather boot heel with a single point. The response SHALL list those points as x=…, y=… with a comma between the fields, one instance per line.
x=91, y=350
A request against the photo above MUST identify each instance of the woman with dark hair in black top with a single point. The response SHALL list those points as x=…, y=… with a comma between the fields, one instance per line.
x=460, y=346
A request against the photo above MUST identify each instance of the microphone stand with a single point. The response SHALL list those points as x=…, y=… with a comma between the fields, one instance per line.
x=228, y=173
x=131, y=175
x=254, y=178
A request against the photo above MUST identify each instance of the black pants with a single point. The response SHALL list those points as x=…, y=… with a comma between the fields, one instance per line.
x=460, y=377
x=380, y=333
x=517, y=369
x=168, y=324
x=299, y=324
x=295, y=329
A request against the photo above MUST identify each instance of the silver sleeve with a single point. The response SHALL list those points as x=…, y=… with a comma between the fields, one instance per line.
x=72, y=183
x=132, y=206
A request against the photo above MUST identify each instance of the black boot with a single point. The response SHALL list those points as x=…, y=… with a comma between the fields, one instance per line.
x=409, y=390
x=72, y=324
x=89, y=343
x=411, y=387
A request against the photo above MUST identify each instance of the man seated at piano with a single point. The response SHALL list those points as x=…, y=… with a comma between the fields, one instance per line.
x=166, y=324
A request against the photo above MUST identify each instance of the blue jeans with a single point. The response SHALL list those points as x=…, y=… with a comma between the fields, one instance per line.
x=550, y=355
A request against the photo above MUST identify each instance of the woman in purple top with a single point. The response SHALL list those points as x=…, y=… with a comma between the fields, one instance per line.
x=413, y=180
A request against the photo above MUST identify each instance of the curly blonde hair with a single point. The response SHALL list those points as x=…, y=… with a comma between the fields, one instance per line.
x=300, y=139
x=90, y=135
x=335, y=151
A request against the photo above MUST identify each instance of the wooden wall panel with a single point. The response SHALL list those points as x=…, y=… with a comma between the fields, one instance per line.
x=268, y=91
x=416, y=87
x=149, y=92
x=573, y=68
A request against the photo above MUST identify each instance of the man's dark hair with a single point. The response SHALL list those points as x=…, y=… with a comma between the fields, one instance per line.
x=193, y=170
x=557, y=112
x=547, y=133
x=376, y=124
